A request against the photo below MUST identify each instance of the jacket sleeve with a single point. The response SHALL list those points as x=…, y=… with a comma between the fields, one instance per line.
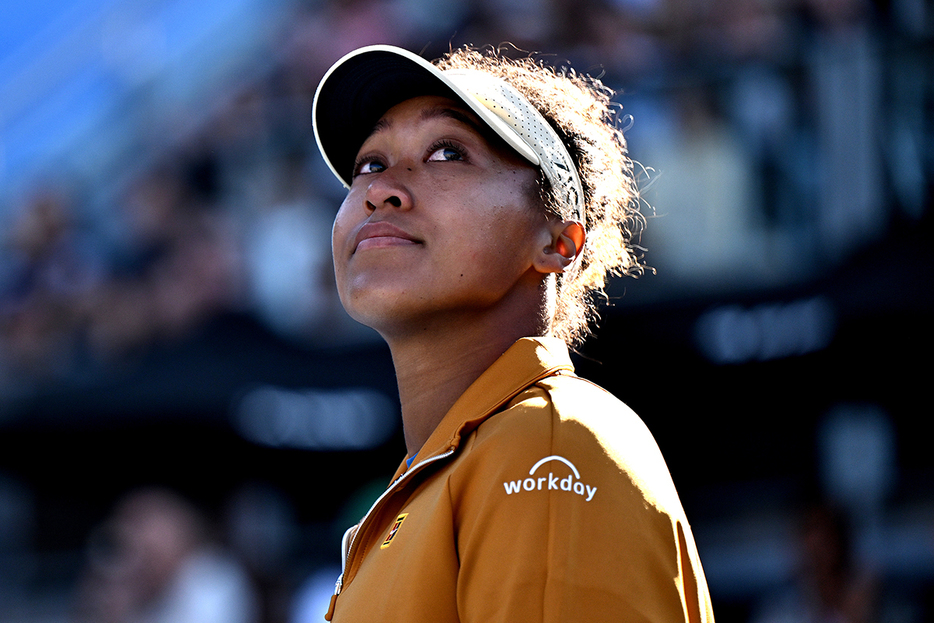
x=562, y=518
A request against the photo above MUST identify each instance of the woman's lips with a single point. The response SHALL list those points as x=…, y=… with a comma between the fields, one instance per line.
x=377, y=235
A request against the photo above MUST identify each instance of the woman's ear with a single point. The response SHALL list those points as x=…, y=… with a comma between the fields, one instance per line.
x=567, y=242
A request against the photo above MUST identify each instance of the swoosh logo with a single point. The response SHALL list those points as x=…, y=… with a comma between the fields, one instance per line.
x=555, y=457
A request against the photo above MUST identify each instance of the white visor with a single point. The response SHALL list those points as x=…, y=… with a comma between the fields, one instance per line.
x=359, y=88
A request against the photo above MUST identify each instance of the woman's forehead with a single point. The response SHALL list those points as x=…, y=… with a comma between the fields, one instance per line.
x=428, y=108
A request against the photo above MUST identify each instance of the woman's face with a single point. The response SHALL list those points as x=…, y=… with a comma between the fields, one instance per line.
x=439, y=224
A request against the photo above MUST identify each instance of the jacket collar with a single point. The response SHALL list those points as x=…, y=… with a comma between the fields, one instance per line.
x=524, y=363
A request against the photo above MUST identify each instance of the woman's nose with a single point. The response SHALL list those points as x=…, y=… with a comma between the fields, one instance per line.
x=390, y=189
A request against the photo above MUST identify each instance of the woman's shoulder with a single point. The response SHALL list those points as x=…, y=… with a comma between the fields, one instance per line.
x=569, y=421
x=566, y=409
x=582, y=408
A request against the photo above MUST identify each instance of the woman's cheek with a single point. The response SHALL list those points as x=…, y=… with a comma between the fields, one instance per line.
x=339, y=232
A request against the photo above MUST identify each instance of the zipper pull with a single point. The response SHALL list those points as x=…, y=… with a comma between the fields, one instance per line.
x=337, y=591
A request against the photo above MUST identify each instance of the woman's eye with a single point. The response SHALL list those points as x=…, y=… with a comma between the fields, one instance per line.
x=369, y=166
x=445, y=153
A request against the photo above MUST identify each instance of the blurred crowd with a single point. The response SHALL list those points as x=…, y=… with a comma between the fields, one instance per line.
x=159, y=556
x=758, y=109
x=155, y=560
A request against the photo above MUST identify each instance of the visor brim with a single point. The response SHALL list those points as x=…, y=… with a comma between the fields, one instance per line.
x=358, y=90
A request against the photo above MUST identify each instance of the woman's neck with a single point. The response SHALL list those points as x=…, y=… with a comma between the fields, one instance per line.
x=433, y=369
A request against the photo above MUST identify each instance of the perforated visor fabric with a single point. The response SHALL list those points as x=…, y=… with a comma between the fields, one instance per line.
x=530, y=126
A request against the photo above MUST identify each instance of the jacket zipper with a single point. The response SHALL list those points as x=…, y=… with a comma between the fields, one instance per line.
x=345, y=551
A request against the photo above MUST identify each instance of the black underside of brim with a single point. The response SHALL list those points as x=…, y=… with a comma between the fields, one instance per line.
x=358, y=93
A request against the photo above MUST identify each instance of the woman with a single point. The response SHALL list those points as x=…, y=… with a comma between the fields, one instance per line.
x=487, y=202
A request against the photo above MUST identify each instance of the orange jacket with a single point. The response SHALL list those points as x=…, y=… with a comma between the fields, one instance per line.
x=539, y=497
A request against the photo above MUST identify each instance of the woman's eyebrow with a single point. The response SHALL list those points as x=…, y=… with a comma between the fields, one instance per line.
x=380, y=126
x=455, y=114
x=435, y=112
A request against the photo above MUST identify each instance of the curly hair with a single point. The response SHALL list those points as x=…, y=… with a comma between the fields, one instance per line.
x=580, y=110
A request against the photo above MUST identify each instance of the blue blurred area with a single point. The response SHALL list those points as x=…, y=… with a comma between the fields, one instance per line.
x=168, y=317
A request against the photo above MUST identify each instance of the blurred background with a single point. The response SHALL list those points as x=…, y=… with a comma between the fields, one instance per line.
x=188, y=420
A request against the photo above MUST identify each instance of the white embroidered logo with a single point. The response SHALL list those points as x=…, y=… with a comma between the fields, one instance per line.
x=571, y=482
